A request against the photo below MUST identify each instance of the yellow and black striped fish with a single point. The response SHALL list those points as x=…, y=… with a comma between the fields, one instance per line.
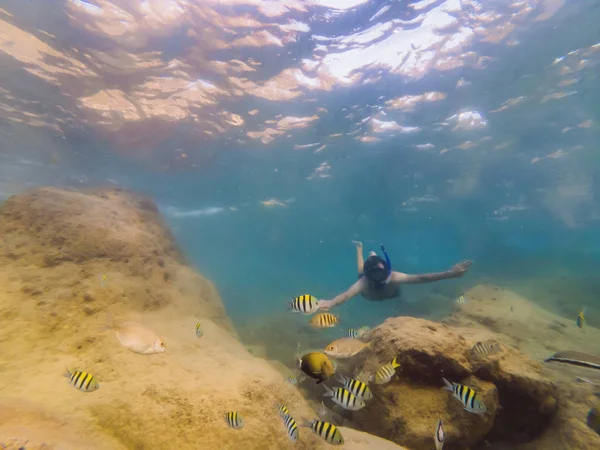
x=323, y=320
x=385, y=372
x=485, y=348
x=291, y=426
x=234, y=420
x=199, y=330
x=345, y=398
x=356, y=387
x=83, y=381
x=103, y=280
x=327, y=431
x=357, y=333
x=470, y=399
x=283, y=410
x=305, y=304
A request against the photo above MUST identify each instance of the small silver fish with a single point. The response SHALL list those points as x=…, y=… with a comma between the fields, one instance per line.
x=587, y=380
x=470, y=399
x=199, y=330
x=439, y=435
x=323, y=411
x=234, y=420
x=345, y=398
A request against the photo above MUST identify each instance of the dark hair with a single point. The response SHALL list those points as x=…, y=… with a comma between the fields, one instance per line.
x=374, y=273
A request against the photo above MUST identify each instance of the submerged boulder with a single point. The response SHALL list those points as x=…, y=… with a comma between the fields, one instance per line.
x=520, y=401
x=53, y=316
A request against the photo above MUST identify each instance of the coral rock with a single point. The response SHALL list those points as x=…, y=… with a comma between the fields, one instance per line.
x=520, y=401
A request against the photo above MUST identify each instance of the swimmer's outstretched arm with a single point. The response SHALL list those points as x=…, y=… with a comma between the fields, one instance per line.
x=457, y=271
x=353, y=291
x=360, y=261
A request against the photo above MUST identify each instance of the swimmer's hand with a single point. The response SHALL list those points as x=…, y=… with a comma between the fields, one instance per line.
x=358, y=244
x=458, y=270
x=325, y=305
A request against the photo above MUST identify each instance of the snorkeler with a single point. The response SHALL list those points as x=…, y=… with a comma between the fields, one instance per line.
x=377, y=281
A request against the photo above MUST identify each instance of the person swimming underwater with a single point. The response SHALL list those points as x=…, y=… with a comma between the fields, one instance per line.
x=377, y=281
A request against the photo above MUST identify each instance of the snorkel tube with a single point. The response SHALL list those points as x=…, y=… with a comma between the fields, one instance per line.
x=389, y=263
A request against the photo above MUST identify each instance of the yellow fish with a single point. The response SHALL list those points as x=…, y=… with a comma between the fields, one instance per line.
x=316, y=365
x=323, y=320
x=581, y=319
x=199, y=331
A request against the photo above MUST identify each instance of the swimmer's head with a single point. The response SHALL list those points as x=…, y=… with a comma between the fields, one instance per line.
x=376, y=269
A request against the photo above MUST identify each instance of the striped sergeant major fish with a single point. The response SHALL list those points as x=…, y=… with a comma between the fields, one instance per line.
x=485, y=348
x=356, y=387
x=283, y=410
x=305, y=304
x=234, y=420
x=439, y=436
x=199, y=331
x=326, y=431
x=385, y=373
x=345, y=398
x=470, y=399
x=581, y=318
x=323, y=320
x=83, y=381
x=357, y=333
x=291, y=427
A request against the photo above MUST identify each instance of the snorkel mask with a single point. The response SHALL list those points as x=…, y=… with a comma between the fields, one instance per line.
x=379, y=276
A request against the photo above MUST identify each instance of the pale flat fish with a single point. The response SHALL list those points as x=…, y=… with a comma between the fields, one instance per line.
x=137, y=337
x=345, y=348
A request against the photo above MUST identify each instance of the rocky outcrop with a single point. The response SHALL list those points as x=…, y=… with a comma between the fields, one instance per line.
x=520, y=401
x=493, y=312
x=56, y=247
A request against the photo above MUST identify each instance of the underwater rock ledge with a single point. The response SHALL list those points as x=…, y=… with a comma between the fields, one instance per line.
x=520, y=401
x=69, y=257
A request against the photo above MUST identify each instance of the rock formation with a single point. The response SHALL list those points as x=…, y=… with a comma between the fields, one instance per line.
x=56, y=247
x=493, y=312
x=519, y=400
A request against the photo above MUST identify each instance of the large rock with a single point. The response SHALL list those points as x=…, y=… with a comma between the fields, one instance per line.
x=56, y=246
x=520, y=401
x=494, y=312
